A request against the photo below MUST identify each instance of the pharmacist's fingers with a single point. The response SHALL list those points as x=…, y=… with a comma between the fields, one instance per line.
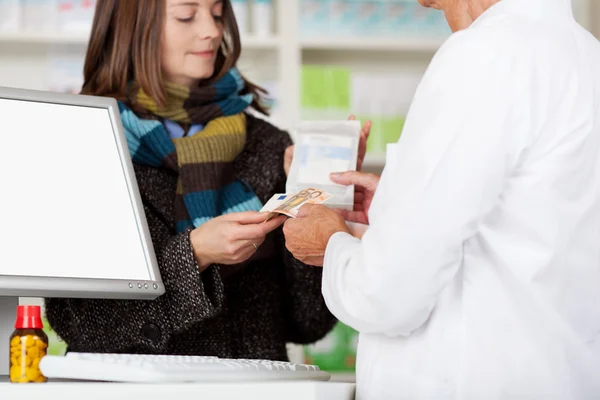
x=355, y=216
x=366, y=130
x=366, y=180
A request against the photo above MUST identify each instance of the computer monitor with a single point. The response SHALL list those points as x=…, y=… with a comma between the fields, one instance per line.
x=72, y=222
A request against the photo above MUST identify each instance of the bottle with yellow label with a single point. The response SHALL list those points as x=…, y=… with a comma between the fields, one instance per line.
x=28, y=345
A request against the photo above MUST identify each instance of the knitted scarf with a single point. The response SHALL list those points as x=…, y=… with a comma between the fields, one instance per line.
x=206, y=186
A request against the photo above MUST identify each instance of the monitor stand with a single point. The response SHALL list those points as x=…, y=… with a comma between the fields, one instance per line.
x=8, y=314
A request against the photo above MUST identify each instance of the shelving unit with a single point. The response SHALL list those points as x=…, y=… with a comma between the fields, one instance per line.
x=276, y=60
x=81, y=39
x=373, y=44
x=29, y=38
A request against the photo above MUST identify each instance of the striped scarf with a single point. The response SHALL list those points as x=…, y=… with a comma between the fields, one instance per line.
x=206, y=187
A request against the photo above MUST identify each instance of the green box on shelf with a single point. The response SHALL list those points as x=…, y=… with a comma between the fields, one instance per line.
x=338, y=88
x=383, y=131
x=392, y=129
x=375, y=143
x=336, y=352
x=56, y=346
x=325, y=87
x=314, y=85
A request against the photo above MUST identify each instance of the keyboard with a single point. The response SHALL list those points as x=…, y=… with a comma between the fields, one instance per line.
x=167, y=368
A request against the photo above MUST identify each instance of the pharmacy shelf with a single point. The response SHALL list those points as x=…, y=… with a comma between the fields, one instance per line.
x=44, y=37
x=81, y=39
x=261, y=43
x=373, y=44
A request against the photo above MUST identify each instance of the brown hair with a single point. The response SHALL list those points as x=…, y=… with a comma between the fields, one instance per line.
x=124, y=46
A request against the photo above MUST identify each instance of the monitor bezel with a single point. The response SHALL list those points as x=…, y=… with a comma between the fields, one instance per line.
x=34, y=286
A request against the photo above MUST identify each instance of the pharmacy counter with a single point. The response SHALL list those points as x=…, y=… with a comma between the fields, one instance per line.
x=220, y=391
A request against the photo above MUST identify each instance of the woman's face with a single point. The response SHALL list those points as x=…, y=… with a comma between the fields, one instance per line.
x=192, y=35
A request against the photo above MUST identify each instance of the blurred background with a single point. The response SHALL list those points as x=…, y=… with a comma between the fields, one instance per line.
x=319, y=59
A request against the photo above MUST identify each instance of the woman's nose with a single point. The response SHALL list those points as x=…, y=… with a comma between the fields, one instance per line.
x=208, y=27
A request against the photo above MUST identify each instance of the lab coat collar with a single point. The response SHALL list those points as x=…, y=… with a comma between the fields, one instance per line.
x=553, y=10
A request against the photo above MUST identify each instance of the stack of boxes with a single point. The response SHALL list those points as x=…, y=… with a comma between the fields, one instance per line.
x=46, y=15
x=334, y=92
x=370, y=18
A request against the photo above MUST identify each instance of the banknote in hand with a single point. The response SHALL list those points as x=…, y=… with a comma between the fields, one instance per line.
x=290, y=204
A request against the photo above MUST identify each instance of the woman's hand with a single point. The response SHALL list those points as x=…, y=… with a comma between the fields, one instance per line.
x=362, y=148
x=364, y=190
x=232, y=238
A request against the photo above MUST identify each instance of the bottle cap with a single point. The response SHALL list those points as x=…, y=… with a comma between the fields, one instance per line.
x=29, y=317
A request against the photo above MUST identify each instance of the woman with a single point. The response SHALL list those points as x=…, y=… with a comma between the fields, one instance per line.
x=203, y=166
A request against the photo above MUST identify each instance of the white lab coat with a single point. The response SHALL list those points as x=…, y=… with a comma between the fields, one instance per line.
x=479, y=276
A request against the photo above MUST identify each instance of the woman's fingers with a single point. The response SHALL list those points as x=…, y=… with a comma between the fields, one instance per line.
x=258, y=230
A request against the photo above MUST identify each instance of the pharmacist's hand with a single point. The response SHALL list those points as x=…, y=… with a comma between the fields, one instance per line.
x=232, y=238
x=364, y=189
x=362, y=146
x=307, y=235
x=287, y=159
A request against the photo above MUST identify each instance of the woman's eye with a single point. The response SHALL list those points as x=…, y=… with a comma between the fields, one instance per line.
x=188, y=19
x=218, y=18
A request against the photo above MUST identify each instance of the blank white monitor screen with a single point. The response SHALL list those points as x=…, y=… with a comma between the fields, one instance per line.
x=65, y=207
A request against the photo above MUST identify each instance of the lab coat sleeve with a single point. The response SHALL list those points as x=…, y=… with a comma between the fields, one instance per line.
x=459, y=144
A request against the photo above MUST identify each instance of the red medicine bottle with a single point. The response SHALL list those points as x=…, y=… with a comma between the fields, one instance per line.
x=28, y=344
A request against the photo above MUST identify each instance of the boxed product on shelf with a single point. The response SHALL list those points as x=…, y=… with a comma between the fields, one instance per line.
x=254, y=17
x=272, y=102
x=325, y=92
x=56, y=346
x=39, y=15
x=76, y=15
x=241, y=11
x=314, y=17
x=370, y=18
x=47, y=15
x=396, y=17
x=10, y=15
x=385, y=100
x=340, y=18
x=336, y=352
x=271, y=98
x=65, y=73
x=408, y=18
x=427, y=22
x=334, y=92
x=262, y=12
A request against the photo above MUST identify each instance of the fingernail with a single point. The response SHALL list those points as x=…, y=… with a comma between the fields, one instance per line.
x=335, y=174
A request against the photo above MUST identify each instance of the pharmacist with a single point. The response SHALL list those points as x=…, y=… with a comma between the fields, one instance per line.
x=479, y=274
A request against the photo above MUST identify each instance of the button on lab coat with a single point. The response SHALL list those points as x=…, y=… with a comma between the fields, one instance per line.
x=479, y=276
